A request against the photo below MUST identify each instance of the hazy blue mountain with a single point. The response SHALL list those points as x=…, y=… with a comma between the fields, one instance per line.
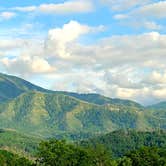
x=158, y=106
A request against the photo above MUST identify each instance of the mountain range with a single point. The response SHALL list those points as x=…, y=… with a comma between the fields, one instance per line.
x=31, y=109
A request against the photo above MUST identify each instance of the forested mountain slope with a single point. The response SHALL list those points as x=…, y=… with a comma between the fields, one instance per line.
x=47, y=113
x=31, y=109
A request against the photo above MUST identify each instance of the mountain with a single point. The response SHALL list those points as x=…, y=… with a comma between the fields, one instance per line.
x=158, y=106
x=31, y=109
x=102, y=100
x=122, y=141
x=46, y=113
x=159, y=113
x=11, y=87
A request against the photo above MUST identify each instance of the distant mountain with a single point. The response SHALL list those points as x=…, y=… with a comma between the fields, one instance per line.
x=122, y=141
x=159, y=113
x=158, y=106
x=31, y=109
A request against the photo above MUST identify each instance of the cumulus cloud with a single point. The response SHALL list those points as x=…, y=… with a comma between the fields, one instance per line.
x=67, y=7
x=20, y=57
x=119, y=66
x=26, y=65
x=8, y=44
x=59, y=38
x=125, y=66
x=155, y=78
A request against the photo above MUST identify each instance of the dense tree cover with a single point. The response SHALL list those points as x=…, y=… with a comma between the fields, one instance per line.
x=47, y=113
x=10, y=159
x=59, y=153
x=114, y=142
x=55, y=115
x=148, y=156
x=119, y=142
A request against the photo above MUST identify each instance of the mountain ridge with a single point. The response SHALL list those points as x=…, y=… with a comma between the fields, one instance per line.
x=67, y=113
x=32, y=109
x=12, y=86
x=26, y=85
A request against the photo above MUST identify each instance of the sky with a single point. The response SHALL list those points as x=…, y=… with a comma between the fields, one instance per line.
x=113, y=47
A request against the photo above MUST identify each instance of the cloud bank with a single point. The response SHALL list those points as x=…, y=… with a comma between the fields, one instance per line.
x=125, y=66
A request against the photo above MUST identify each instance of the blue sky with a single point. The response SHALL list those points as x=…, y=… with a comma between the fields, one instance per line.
x=116, y=48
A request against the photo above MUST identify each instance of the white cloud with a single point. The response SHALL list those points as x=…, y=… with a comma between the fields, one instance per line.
x=2, y=54
x=156, y=10
x=118, y=67
x=153, y=10
x=21, y=57
x=26, y=65
x=7, y=15
x=75, y=6
x=150, y=25
x=59, y=38
x=8, y=44
x=128, y=66
x=119, y=5
x=120, y=16
x=155, y=78
x=144, y=16
x=67, y=7
x=25, y=9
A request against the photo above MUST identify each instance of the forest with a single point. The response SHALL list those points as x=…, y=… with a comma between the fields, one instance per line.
x=119, y=148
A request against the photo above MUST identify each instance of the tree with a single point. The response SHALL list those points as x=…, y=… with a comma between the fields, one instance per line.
x=101, y=156
x=59, y=153
x=10, y=159
x=125, y=162
x=146, y=156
